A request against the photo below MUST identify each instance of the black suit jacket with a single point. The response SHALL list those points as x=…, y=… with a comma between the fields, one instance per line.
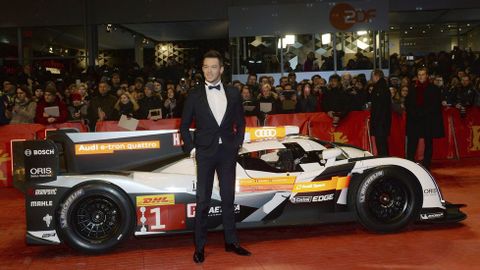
x=207, y=131
x=381, y=111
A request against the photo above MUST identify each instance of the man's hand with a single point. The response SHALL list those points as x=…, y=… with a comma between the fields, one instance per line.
x=192, y=153
x=51, y=119
x=330, y=113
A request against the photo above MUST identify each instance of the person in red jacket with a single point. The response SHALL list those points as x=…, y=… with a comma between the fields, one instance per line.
x=48, y=116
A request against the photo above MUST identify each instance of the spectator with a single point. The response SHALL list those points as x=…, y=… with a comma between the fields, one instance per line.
x=252, y=83
x=250, y=105
x=346, y=81
x=150, y=103
x=358, y=96
x=116, y=83
x=265, y=97
x=139, y=84
x=309, y=64
x=79, y=108
x=465, y=95
x=380, y=112
x=51, y=100
x=307, y=101
x=335, y=100
x=398, y=101
x=126, y=105
x=24, y=108
x=101, y=107
x=292, y=79
x=4, y=107
x=172, y=105
x=424, y=117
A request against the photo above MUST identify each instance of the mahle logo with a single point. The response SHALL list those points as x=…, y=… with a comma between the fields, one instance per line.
x=475, y=146
x=343, y=16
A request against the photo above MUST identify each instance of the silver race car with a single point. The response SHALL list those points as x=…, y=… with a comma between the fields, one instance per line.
x=93, y=190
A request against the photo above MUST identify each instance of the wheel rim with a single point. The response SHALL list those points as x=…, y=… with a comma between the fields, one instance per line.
x=97, y=218
x=388, y=200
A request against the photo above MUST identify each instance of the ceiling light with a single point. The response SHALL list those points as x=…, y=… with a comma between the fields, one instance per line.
x=361, y=33
x=326, y=39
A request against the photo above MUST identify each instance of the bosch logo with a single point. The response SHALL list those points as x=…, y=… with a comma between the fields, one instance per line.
x=39, y=152
x=264, y=133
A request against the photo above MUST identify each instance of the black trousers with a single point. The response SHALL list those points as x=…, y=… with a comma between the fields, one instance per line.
x=224, y=163
x=412, y=143
x=382, y=145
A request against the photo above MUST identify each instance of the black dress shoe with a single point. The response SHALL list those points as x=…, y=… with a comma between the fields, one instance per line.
x=237, y=249
x=199, y=256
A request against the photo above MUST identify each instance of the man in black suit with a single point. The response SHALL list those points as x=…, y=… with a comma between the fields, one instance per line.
x=424, y=116
x=216, y=110
x=381, y=112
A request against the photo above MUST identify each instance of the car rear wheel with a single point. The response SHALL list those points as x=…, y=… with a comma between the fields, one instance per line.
x=95, y=217
x=388, y=199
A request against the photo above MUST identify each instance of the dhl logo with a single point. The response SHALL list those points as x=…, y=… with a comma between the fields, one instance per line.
x=156, y=200
x=336, y=183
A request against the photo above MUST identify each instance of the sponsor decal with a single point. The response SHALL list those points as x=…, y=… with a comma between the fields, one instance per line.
x=66, y=206
x=160, y=218
x=39, y=152
x=336, y=183
x=367, y=183
x=41, y=172
x=260, y=181
x=212, y=211
x=47, y=218
x=301, y=199
x=475, y=139
x=429, y=216
x=49, y=235
x=309, y=199
x=430, y=192
x=177, y=140
x=109, y=148
x=263, y=133
x=155, y=200
x=45, y=192
x=343, y=16
x=322, y=198
x=41, y=203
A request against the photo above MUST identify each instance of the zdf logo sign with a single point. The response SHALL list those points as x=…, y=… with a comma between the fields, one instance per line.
x=343, y=16
x=265, y=133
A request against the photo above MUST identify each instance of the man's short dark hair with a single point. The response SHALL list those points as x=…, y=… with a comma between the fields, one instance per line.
x=334, y=77
x=252, y=75
x=214, y=54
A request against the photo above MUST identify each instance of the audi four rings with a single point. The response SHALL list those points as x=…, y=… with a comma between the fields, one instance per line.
x=94, y=190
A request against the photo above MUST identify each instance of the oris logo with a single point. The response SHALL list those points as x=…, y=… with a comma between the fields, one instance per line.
x=28, y=152
x=264, y=133
x=40, y=172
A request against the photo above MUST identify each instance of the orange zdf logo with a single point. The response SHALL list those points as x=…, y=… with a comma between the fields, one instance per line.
x=156, y=200
x=475, y=138
x=343, y=16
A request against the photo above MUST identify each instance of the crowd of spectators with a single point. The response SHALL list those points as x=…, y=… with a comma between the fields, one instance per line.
x=105, y=94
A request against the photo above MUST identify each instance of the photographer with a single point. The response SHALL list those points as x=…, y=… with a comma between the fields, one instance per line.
x=307, y=101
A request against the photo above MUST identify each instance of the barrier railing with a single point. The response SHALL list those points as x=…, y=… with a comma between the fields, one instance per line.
x=462, y=134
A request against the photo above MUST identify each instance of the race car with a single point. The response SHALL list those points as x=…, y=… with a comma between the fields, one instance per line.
x=94, y=190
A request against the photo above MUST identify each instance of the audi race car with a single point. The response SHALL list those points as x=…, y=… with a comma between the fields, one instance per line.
x=94, y=190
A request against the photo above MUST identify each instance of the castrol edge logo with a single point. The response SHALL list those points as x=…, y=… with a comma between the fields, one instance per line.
x=266, y=133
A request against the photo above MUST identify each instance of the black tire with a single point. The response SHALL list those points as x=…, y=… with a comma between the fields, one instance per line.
x=95, y=217
x=387, y=199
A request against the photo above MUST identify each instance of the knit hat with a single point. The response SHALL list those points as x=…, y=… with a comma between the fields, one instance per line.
x=50, y=88
x=150, y=86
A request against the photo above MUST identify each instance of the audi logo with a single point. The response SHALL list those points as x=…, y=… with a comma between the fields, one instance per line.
x=265, y=133
x=28, y=152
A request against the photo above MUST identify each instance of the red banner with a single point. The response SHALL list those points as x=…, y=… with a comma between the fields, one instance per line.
x=350, y=130
x=297, y=119
x=467, y=131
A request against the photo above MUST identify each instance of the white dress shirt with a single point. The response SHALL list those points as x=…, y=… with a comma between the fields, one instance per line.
x=217, y=100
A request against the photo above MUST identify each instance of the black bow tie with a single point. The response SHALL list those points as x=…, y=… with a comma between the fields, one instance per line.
x=210, y=87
